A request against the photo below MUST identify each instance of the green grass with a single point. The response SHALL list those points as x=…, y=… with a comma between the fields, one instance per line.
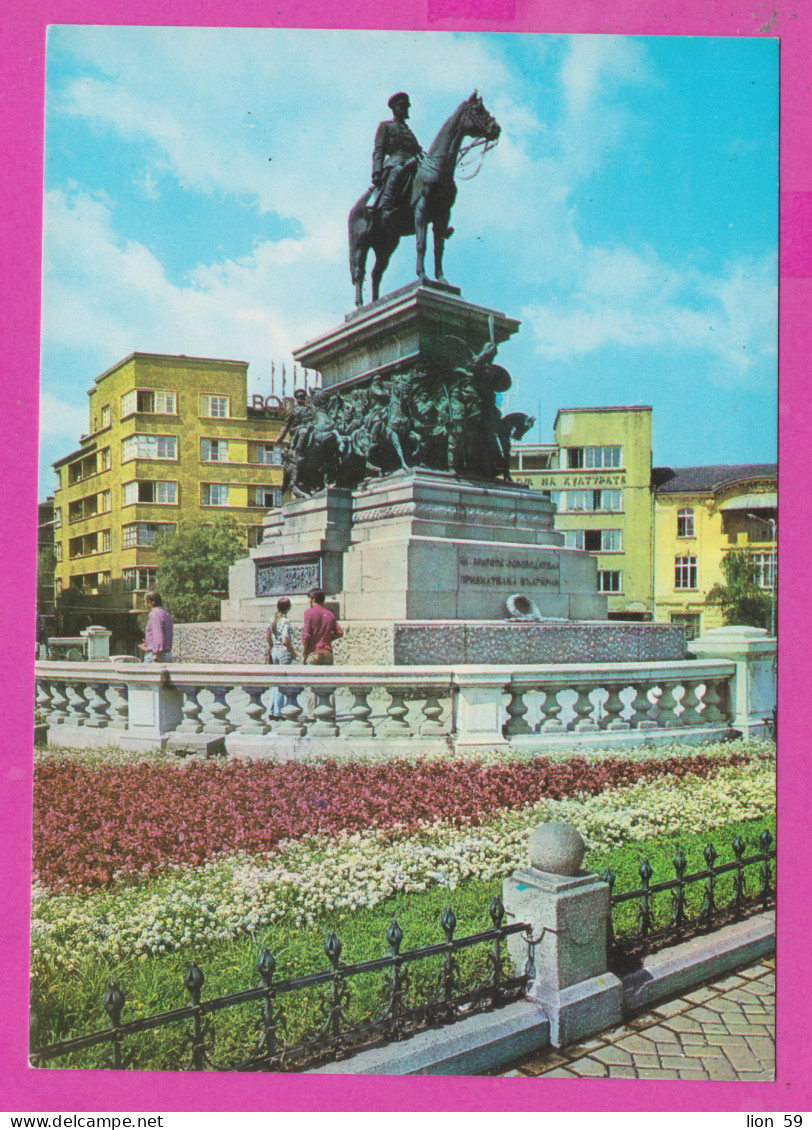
x=69, y=1004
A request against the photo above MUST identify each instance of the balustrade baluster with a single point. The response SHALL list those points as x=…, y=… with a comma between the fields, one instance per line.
x=77, y=704
x=549, y=720
x=668, y=718
x=715, y=700
x=432, y=712
x=324, y=712
x=97, y=713
x=290, y=726
x=613, y=708
x=44, y=699
x=359, y=725
x=397, y=712
x=691, y=701
x=648, y=711
x=119, y=706
x=216, y=720
x=516, y=710
x=255, y=712
x=192, y=710
x=59, y=704
x=583, y=708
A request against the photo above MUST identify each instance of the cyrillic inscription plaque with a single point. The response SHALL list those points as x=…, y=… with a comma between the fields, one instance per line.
x=517, y=571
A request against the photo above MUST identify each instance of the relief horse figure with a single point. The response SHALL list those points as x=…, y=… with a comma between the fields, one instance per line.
x=432, y=196
x=513, y=426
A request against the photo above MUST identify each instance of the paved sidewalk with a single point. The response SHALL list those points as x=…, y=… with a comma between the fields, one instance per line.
x=724, y=1030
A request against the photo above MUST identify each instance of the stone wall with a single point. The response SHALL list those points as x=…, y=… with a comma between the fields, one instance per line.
x=420, y=643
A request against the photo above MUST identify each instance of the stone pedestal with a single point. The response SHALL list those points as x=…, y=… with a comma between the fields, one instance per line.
x=567, y=914
x=417, y=546
x=423, y=323
x=98, y=642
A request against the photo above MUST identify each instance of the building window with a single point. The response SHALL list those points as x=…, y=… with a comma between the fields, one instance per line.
x=574, y=539
x=214, y=450
x=144, y=446
x=691, y=622
x=105, y=459
x=158, y=402
x=107, y=543
x=143, y=533
x=214, y=406
x=685, y=522
x=594, y=458
x=255, y=536
x=214, y=494
x=57, y=587
x=267, y=496
x=105, y=416
x=150, y=490
x=105, y=501
x=267, y=453
x=611, y=541
x=579, y=500
x=763, y=565
x=685, y=572
x=58, y=551
x=139, y=580
x=609, y=580
x=57, y=517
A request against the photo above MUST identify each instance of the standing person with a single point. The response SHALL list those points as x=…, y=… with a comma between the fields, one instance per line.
x=157, y=645
x=281, y=648
x=42, y=637
x=319, y=630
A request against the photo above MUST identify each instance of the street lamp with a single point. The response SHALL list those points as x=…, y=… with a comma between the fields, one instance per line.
x=771, y=523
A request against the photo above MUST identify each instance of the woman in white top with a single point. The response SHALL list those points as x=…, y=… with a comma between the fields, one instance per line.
x=280, y=640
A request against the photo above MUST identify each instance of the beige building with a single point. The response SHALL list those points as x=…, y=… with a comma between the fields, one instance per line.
x=700, y=514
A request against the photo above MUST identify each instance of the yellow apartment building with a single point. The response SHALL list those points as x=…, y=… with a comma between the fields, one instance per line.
x=598, y=473
x=171, y=438
x=700, y=514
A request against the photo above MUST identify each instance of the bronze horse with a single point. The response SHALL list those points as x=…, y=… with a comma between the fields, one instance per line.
x=433, y=194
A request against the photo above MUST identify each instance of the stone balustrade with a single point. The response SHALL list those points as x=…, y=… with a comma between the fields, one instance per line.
x=386, y=711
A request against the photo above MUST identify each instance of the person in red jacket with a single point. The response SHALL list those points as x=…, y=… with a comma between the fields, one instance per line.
x=319, y=630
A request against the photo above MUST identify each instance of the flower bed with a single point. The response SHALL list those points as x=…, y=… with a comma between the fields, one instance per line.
x=318, y=876
x=94, y=826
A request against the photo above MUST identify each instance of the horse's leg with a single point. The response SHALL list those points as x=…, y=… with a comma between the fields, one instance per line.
x=440, y=228
x=383, y=253
x=420, y=228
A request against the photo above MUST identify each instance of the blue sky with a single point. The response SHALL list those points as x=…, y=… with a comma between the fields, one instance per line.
x=197, y=184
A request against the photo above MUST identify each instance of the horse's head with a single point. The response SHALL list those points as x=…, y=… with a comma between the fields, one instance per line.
x=477, y=122
x=527, y=424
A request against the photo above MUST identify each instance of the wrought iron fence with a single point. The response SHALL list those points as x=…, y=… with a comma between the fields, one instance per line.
x=658, y=923
x=453, y=998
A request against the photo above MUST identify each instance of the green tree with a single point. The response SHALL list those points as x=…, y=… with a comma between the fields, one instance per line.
x=193, y=563
x=741, y=600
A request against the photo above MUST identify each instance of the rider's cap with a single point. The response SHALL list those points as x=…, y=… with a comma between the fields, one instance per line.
x=401, y=96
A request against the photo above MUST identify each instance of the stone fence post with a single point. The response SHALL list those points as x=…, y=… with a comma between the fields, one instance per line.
x=567, y=910
x=98, y=642
x=753, y=693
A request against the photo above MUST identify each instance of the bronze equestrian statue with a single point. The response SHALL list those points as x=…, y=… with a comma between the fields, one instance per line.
x=412, y=189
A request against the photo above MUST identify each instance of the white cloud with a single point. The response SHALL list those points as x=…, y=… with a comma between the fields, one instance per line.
x=59, y=419
x=633, y=299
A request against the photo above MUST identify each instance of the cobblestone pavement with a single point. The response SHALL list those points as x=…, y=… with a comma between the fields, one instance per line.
x=724, y=1030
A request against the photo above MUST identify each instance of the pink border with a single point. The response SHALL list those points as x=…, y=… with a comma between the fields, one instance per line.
x=21, y=83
